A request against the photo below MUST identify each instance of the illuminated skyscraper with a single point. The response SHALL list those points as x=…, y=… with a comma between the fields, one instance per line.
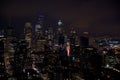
x=8, y=47
x=39, y=25
x=60, y=24
x=28, y=33
x=60, y=33
x=39, y=36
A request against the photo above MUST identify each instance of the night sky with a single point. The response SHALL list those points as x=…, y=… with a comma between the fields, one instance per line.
x=94, y=16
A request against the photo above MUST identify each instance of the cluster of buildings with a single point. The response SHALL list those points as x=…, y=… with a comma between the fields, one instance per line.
x=24, y=51
x=29, y=49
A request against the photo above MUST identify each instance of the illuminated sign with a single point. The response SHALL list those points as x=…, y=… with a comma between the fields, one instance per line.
x=89, y=49
x=68, y=49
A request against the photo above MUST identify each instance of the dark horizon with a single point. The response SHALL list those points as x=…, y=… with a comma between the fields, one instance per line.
x=96, y=17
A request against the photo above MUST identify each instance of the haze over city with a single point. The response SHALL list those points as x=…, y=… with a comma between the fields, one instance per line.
x=96, y=17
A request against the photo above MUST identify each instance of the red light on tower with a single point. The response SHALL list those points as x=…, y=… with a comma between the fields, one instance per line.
x=68, y=48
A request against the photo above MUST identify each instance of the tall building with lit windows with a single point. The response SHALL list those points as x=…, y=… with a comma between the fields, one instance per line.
x=39, y=39
x=60, y=33
x=60, y=24
x=8, y=48
x=39, y=25
x=28, y=33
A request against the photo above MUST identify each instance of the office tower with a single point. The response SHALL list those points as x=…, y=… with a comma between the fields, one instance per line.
x=9, y=59
x=39, y=26
x=8, y=48
x=28, y=33
x=60, y=33
x=39, y=39
x=60, y=27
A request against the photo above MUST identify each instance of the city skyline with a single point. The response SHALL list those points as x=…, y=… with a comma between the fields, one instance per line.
x=59, y=40
x=99, y=16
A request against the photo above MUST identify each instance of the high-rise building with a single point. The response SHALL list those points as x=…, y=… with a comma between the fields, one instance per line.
x=59, y=29
x=28, y=33
x=39, y=39
x=9, y=59
x=8, y=48
x=60, y=33
x=39, y=25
